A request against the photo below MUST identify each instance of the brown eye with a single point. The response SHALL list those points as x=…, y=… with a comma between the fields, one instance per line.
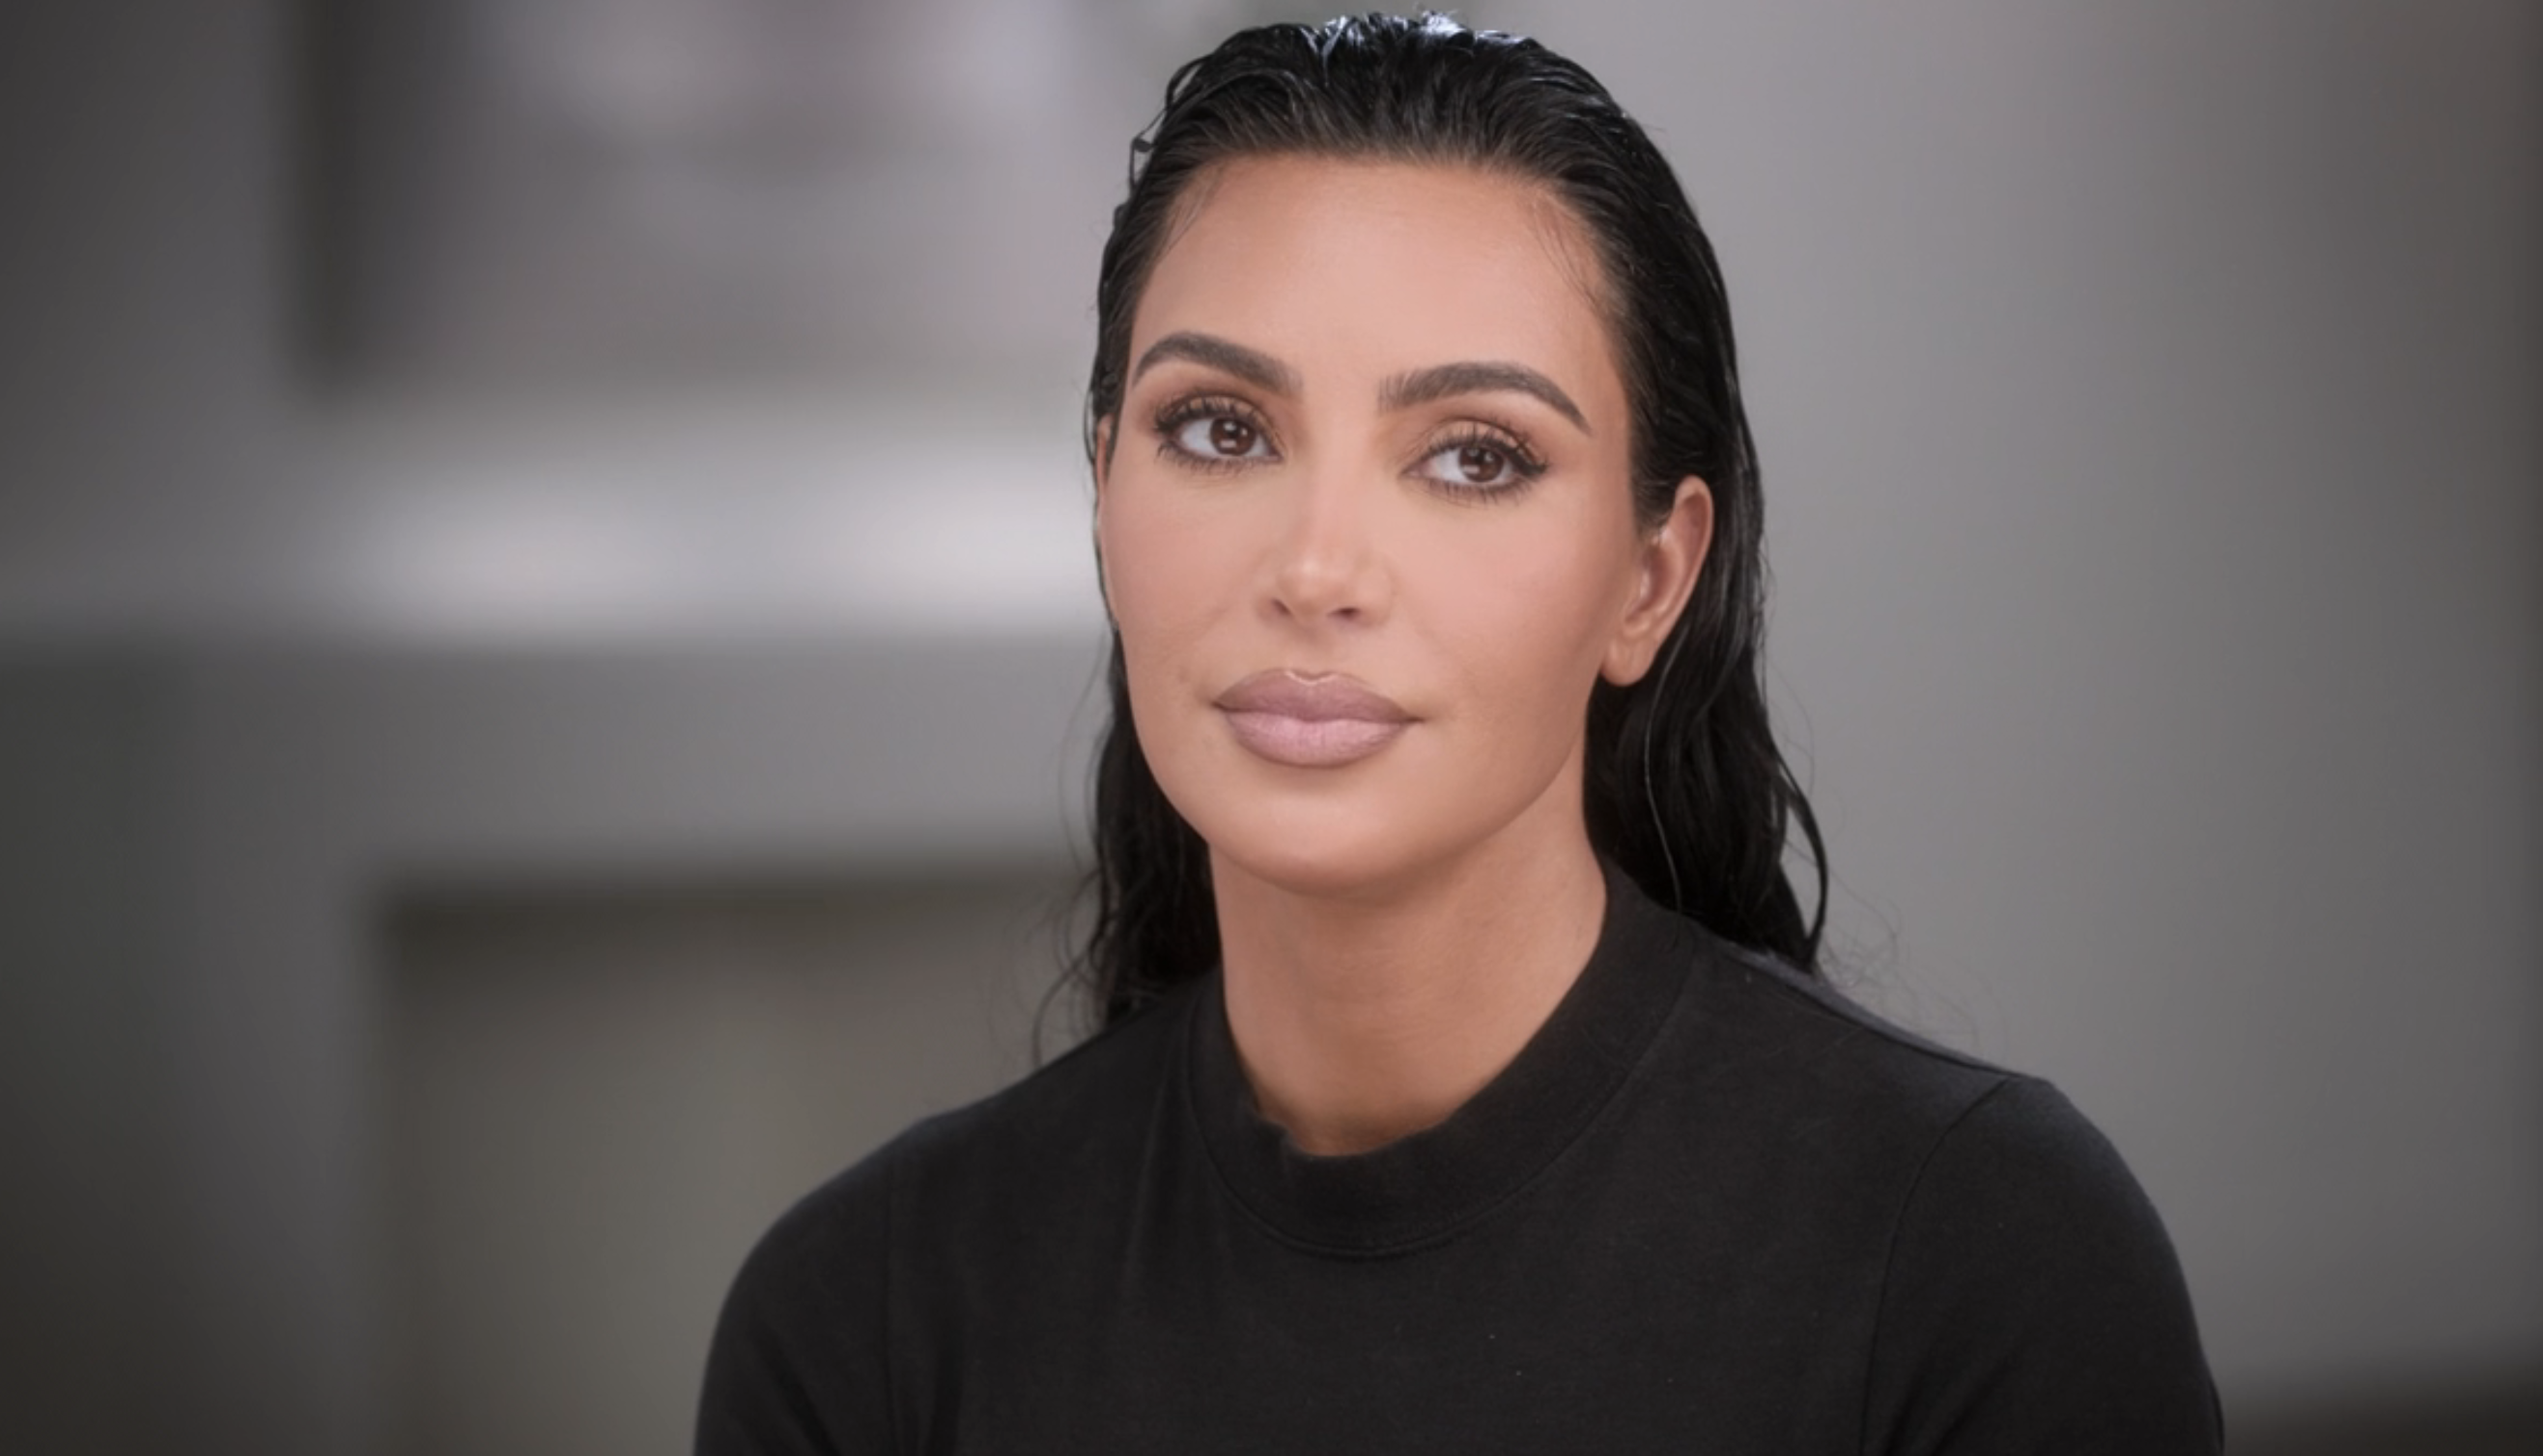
x=1221, y=437
x=1479, y=466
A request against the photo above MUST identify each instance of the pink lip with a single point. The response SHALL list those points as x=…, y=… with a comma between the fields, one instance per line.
x=1319, y=721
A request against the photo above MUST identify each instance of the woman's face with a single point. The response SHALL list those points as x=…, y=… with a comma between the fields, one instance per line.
x=1365, y=521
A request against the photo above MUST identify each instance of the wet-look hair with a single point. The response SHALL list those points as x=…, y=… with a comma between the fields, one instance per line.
x=1685, y=788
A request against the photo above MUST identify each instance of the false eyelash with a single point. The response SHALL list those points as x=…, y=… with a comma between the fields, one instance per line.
x=1174, y=414
x=1526, y=464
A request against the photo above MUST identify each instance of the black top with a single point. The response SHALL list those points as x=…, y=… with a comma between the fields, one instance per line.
x=1710, y=1207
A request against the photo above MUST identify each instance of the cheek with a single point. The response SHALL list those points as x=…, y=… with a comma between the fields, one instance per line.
x=1162, y=578
x=1531, y=625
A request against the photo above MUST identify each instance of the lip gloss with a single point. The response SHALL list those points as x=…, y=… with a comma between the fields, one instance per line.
x=1319, y=721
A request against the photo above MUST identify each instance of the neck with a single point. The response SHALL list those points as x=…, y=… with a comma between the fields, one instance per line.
x=1361, y=1018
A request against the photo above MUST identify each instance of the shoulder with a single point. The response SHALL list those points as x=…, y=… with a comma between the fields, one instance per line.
x=797, y=1362
x=1091, y=1102
x=2028, y=1296
x=803, y=1354
x=1968, y=1136
x=2032, y=1299
x=1811, y=1062
x=1094, y=1105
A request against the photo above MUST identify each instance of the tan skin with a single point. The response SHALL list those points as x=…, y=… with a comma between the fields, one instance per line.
x=1330, y=496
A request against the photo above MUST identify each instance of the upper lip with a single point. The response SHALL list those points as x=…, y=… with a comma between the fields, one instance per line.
x=1316, y=697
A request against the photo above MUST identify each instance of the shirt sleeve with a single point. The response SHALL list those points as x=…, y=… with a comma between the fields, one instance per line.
x=2033, y=1303
x=798, y=1363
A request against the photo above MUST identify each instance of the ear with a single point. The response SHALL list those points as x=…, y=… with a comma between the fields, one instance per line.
x=1672, y=557
x=1103, y=467
x=1102, y=456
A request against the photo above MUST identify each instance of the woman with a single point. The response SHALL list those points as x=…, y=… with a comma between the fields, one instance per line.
x=1464, y=1084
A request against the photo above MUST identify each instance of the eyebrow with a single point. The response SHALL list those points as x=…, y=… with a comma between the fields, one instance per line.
x=1254, y=366
x=1445, y=381
x=1401, y=391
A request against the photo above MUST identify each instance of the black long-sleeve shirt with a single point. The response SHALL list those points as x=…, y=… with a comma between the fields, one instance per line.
x=1710, y=1207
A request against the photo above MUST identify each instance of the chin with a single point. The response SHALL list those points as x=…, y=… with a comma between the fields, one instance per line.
x=1322, y=851
x=1317, y=873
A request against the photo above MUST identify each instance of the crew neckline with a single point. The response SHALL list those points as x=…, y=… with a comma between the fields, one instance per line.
x=1429, y=1185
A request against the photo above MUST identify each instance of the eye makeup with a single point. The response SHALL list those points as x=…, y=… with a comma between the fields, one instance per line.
x=1474, y=442
x=1174, y=418
x=1218, y=434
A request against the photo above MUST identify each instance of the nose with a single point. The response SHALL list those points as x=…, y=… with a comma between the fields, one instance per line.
x=1324, y=566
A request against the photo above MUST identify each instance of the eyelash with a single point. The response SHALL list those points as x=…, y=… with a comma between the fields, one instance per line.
x=1175, y=413
x=1526, y=464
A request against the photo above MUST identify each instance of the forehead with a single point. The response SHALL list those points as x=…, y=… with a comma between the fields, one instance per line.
x=1382, y=264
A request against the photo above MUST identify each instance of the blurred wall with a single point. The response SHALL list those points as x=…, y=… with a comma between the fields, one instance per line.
x=87, y=865
x=2147, y=400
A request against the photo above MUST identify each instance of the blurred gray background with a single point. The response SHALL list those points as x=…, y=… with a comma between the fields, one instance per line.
x=546, y=623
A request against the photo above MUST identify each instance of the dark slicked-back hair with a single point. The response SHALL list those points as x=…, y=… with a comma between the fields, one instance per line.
x=1685, y=787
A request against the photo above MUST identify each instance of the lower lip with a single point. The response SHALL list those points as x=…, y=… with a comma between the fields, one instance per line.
x=1304, y=742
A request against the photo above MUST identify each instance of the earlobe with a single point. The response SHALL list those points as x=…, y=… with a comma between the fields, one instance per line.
x=1103, y=461
x=1103, y=471
x=1103, y=464
x=1671, y=561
